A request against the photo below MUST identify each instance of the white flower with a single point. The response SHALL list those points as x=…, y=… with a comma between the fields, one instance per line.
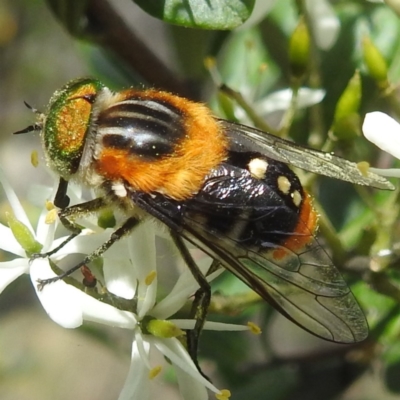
x=60, y=300
x=383, y=131
x=273, y=106
x=130, y=273
x=325, y=23
x=11, y=270
x=192, y=384
x=130, y=277
x=281, y=99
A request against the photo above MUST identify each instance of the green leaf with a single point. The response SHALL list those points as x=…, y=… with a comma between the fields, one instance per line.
x=246, y=66
x=205, y=14
x=381, y=311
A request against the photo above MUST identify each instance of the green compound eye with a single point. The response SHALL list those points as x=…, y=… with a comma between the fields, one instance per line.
x=67, y=123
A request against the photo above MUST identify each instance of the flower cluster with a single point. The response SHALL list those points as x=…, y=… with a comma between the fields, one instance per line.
x=130, y=277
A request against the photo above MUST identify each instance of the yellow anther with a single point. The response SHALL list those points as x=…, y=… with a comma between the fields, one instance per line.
x=210, y=62
x=51, y=217
x=254, y=328
x=224, y=394
x=363, y=167
x=150, y=278
x=49, y=205
x=34, y=158
x=155, y=371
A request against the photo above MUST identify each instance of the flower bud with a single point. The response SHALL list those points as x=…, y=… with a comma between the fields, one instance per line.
x=375, y=63
x=346, y=120
x=23, y=235
x=299, y=49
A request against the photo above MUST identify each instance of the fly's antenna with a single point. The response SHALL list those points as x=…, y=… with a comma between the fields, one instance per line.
x=37, y=126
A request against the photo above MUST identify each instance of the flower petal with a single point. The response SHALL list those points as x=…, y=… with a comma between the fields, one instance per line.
x=85, y=243
x=18, y=210
x=325, y=22
x=142, y=250
x=383, y=131
x=97, y=311
x=137, y=383
x=190, y=388
x=60, y=303
x=280, y=100
x=119, y=278
x=69, y=306
x=11, y=270
x=9, y=243
x=183, y=289
x=45, y=232
x=178, y=355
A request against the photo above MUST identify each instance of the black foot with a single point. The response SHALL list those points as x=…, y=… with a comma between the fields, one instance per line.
x=44, y=282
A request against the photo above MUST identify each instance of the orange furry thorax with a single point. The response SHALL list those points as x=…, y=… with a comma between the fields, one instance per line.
x=178, y=175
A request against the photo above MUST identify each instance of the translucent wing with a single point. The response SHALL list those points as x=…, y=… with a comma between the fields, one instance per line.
x=247, y=138
x=304, y=285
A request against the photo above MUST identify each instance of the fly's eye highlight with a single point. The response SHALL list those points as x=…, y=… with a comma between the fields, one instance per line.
x=67, y=123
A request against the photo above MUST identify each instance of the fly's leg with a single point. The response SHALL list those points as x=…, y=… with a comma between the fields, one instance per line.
x=61, y=199
x=67, y=217
x=193, y=336
x=201, y=301
x=126, y=228
x=68, y=214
